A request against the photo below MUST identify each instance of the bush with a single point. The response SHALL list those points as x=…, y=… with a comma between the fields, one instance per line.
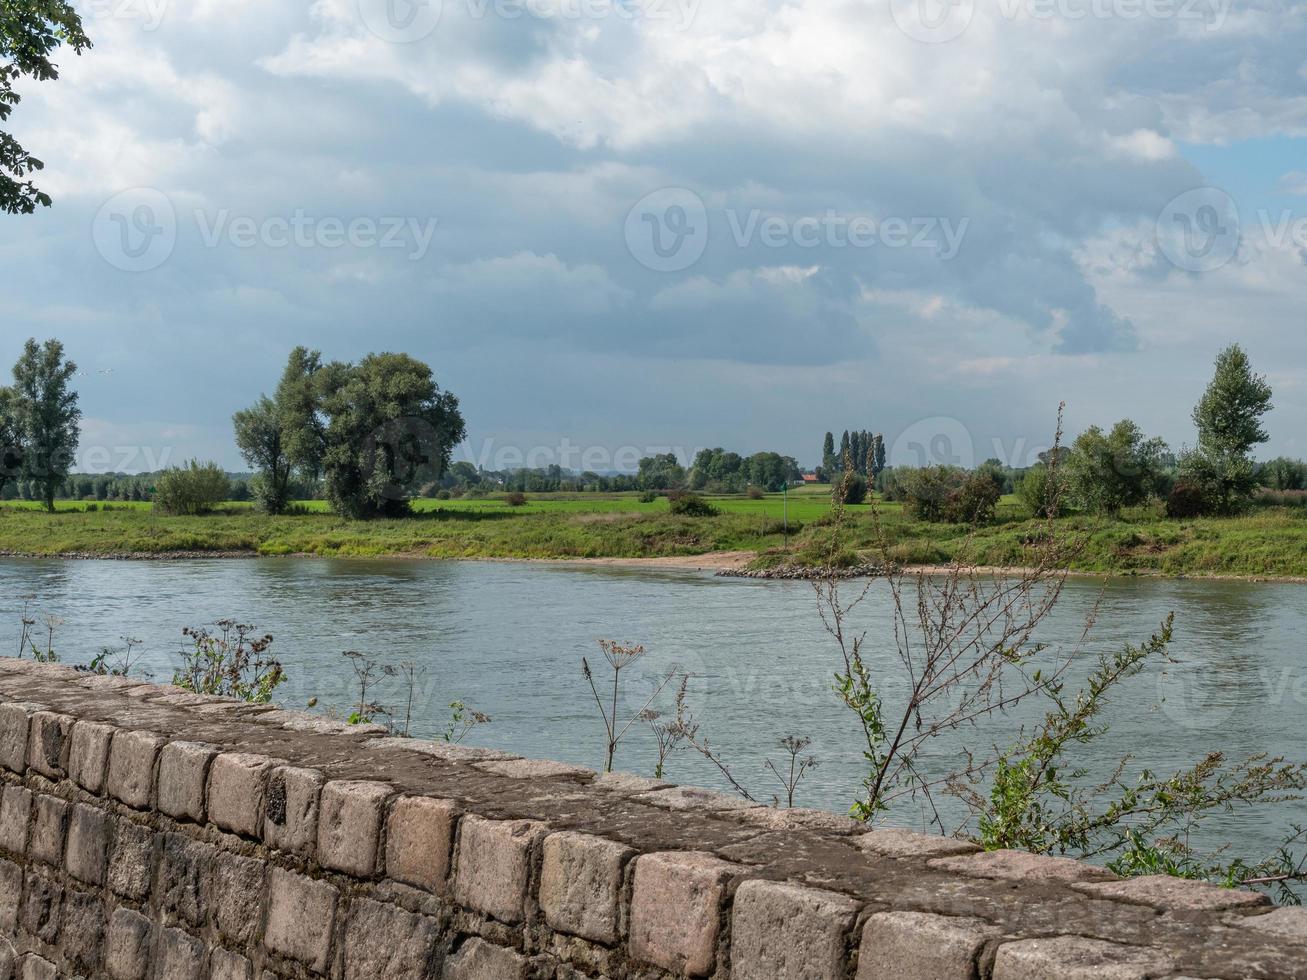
x=1187, y=500
x=443, y=495
x=926, y=491
x=515, y=499
x=755, y=493
x=850, y=489
x=648, y=497
x=976, y=501
x=1042, y=489
x=193, y=489
x=691, y=505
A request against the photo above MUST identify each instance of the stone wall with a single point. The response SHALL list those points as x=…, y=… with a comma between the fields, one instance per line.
x=146, y=832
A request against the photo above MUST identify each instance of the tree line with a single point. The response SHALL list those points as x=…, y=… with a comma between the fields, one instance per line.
x=864, y=451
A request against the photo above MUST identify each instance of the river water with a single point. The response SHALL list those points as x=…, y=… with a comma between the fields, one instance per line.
x=508, y=640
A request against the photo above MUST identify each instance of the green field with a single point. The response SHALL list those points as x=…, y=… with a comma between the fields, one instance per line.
x=1266, y=542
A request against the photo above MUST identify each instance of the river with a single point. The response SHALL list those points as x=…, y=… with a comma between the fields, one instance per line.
x=508, y=640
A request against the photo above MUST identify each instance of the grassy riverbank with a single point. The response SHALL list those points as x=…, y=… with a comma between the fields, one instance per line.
x=1269, y=542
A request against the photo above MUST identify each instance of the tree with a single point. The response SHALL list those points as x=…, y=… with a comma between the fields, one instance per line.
x=1118, y=469
x=388, y=426
x=661, y=472
x=828, y=453
x=846, y=450
x=47, y=416
x=259, y=437
x=298, y=413
x=30, y=31
x=878, y=448
x=11, y=453
x=1229, y=421
x=195, y=488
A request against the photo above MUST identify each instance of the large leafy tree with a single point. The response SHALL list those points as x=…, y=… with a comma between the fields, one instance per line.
x=1229, y=421
x=1110, y=470
x=260, y=437
x=46, y=416
x=30, y=31
x=300, y=418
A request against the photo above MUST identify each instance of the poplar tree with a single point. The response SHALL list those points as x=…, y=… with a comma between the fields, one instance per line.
x=46, y=417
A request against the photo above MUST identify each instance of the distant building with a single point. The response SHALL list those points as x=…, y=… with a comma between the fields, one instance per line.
x=810, y=478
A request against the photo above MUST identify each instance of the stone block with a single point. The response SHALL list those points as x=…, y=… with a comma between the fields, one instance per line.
x=385, y=941
x=226, y=965
x=301, y=917
x=86, y=856
x=581, y=885
x=237, y=896
x=349, y=826
x=681, y=799
x=42, y=907
x=81, y=937
x=131, y=859
x=1077, y=958
x=898, y=843
x=47, y=743
x=236, y=792
x=676, y=908
x=15, y=720
x=1175, y=894
x=533, y=769
x=49, y=825
x=781, y=931
x=37, y=967
x=180, y=956
x=183, y=772
x=477, y=959
x=88, y=755
x=1021, y=866
x=420, y=842
x=11, y=896
x=922, y=946
x=127, y=945
x=185, y=869
x=15, y=817
x=131, y=767
x=290, y=822
x=1289, y=922
x=494, y=865
x=9, y=963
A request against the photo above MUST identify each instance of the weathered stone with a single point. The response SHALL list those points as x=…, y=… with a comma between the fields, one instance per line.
x=898, y=843
x=81, y=937
x=88, y=755
x=1175, y=894
x=226, y=965
x=183, y=772
x=49, y=825
x=797, y=818
x=420, y=842
x=180, y=956
x=237, y=896
x=1076, y=958
x=11, y=896
x=442, y=750
x=922, y=946
x=676, y=910
x=15, y=817
x=127, y=945
x=385, y=941
x=236, y=792
x=477, y=959
x=628, y=784
x=291, y=819
x=688, y=798
x=533, y=769
x=47, y=743
x=349, y=826
x=1289, y=922
x=185, y=867
x=301, y=916
x=87, y=853
x=9, y=963
x=1021, y=866
x=494, y=865
x=581, y=885
x=131, y=767
x=781, y=931
x=15, y=720
x=42, y=907
x=37, y=967
x=132, y=860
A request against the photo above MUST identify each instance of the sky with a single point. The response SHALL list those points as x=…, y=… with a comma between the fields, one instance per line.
x=616, y=227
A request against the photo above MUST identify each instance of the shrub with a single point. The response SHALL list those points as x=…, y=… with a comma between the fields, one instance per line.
x=755, y=493
x=515, y=499
x=691, y=505
x=926, y=491
x=1187, y=500
x=648, y=497
x=1042, y=489
x=443, y=495
x=850, y=489
x=192, y=489
x=975, y=502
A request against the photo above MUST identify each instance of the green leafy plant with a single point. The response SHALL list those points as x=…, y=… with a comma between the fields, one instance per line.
x=231, y=662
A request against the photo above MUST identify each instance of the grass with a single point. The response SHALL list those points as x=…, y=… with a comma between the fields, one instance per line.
x=1268, y=542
